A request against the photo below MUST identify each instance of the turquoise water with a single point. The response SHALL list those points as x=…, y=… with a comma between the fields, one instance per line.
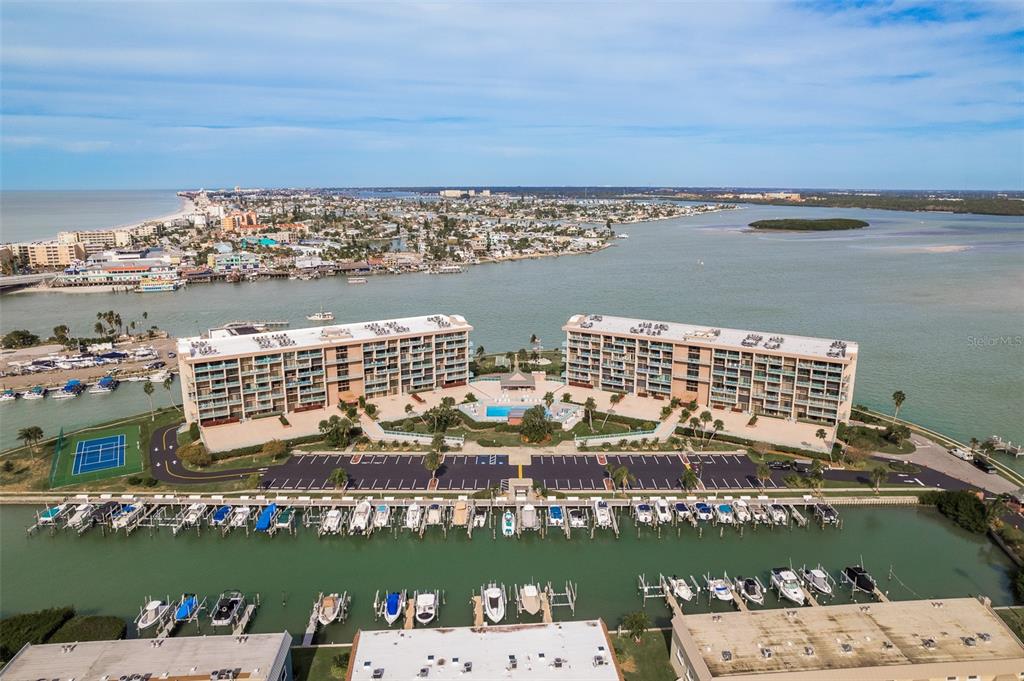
x=38, y=215
x=502, y=411
x=936, y=302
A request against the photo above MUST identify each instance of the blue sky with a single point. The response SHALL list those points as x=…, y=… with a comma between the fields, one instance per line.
x=189, y=94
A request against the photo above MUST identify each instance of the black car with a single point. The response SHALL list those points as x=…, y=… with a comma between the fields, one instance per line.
x=984, y=464
x=779, y=465
x=802, y=467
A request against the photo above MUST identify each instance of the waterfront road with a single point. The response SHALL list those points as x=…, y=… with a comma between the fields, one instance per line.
x=403, y=472
x=165, y=466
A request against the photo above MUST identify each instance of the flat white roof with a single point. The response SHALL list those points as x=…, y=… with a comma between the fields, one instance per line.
x=223, y=342
x=186, y=657
x=563, y=651
x=712, y=335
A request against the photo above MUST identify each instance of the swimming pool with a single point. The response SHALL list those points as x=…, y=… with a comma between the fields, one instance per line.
x=503, y=410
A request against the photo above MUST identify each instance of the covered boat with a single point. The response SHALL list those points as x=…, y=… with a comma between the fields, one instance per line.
x=228, y=609
x=494, y=603
x=187, y=606
x=859, y=578
x=394, y=603
x=266, y=518
x=555, y=517
x=529, y=598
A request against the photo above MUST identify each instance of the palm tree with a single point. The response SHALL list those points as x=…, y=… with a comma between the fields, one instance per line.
x=690, y=480
x=620, y=476
x=995, y=509
x=549, y=399
x=432, y=461
x=98, y=328
x=336, y=430
x=898, y=398
x=338, y=478
x=31, y=435
x=168, y=384
x=614, y=399
x=589, y=406
x=148, y=388
x=694, y=425
x=816, y=478
x=718, y=425
x=974, y=444
x=878, y=475
x=705, y=419
x=480, y=351
x=822, y=435
x=636, y=623
x=763, y=473
x=408, y=409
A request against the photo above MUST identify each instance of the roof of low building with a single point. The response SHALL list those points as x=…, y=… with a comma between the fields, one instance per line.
x=567, y=651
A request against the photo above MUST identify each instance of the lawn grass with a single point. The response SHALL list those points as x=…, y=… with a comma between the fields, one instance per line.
x=869, y=438
x=646, y=661
x=314, y=664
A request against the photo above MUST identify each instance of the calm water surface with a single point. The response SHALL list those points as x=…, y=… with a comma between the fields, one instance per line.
x=113, y=574
x=935, y=301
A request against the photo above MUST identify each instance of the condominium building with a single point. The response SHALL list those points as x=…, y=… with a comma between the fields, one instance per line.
x=237, y=373
x=784, y=376
x=48, y=254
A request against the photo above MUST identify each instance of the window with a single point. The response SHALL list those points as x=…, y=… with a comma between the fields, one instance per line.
x=691, y=386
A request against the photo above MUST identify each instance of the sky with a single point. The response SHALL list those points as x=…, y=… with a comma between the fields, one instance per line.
x=154, y=94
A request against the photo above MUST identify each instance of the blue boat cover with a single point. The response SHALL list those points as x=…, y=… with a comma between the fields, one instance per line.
x=221, y=513
x=186, y=607
x=266, y=515
x=392, y=603
x=555, y=512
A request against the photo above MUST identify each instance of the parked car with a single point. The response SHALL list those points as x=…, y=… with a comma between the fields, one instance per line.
x=984, y=464
x=961, y=453
x=779, y=465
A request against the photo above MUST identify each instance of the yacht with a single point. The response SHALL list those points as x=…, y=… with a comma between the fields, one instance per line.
x=602, y=514
x=329, y=609
x=529, y=517
x=785, y=582
x=8, y=396
x=681, y=588
x=555, y=516
x=187, y=606
x=81, y=516
x=228, y=609
x=508, y=524
x=859, y=579
x=741, y=510
x=778, y=514
x=331, y=522
x=683, y=511
x=105, y=385
x=240, y=516
x=662, y=510
x=220, y=516
x=494, y=603
x=360, y=519
x=394, y=605
x=357, y=280
x=720, y=588
x=644, y=514
x=529, y=598
x=412, y=517
x=577, y=518
x=321, y=316
x=426, y=607
x=479, y=516
x=750, y=589
x=72, y=388
x=702, y=511
x=151, y=614
x=37, y=392
x=382, y=515
x=817, y=579
x=724, y=513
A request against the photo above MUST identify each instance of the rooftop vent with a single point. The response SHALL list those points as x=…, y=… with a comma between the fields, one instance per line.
x=726, y=655
x=424, y=673
x=846, y=648
x=599, y=661
x=928, y=643
x=809, y=650
x=766, y=653
x=467, y=667
x=985, y=636
x=970, y=641
x=378, y=673
x=887, y=645
x=559, y=662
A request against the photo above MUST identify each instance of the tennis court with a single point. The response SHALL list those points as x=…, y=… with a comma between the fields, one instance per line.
x=99, y=454
x=96, y=455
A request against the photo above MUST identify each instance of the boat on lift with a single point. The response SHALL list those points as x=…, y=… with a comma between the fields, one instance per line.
x=741, y=510
x=480, y=516
x=360, y=519
x=508, y=524
x=153, y=612
x=751, y=589
x=724, y=513
x=494, y=602
x=778, y=514
x=220, y=516
x=329, y=609
x=381, y=516
x=332, y=522
x=681, y=588
x=529, y=598
x=859, y=578
x=577, y=518
x=702, y=511
x=683, y=510
x=786, y=583
x=602, y=514
x=719, y=588
x=530, y=521
x=394, y=605
x=555, y=516
x=662, y=510
x=187, y=606
x=82, y=515
x=817, y=578
x=240, y=516
x=228, y=609
x=426, y=608
x=413, y=514
x=644, y=513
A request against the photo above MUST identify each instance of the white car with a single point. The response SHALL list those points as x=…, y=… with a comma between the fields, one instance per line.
x=961, y=454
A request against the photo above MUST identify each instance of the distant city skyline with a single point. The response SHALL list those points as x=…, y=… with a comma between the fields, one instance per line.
x=851, y=95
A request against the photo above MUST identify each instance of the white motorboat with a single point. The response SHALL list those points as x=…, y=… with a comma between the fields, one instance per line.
x=394, y=606
x=751, y=589
x=556, y=517
x=577, y=518
x=426, y=608
x=434, y=514
x=681, y=588
x=460, y=513
x=662, y=510
x=51, y=515
x=817, y=579
x=240, y=516
x=331, y=522
x=683, y=510
x=381, y=515
x=412, y=517
x=360, y=518
x=778, y=514
x=8, y=396
x=529, y=517
x=508, y=524
x=724, y=513
x=494, y=602
x=194, y=514
x=329, y=609
x=480, y=516
x=702, y=511
x=602, y=514
x=826, y=514
x=81, y=515
x=786, y=583
x=741, y=510
x=644, y=514
x=720, y=588
x=321, y=316
x=529, y=598
x=760, y=514
x=127, y=514
x=153, y=612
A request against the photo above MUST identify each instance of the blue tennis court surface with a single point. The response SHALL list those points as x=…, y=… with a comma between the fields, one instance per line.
x=99, y=454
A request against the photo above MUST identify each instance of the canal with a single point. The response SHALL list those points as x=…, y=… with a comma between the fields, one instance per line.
x=113, y=574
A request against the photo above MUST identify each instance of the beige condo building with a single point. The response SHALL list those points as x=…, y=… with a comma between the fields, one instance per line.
x=778, y=375
x=237, y=374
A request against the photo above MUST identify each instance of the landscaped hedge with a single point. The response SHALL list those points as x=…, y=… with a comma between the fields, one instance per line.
x=722, y=437
x=961, y=506
x=33, y=627
x=256, y=449
x=90, y=628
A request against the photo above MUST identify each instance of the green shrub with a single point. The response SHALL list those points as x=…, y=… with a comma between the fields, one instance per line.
x=90, y=628
x=193, y=431
x=134, y=480
x=904, y=467
x=195, y=454
x=961, y=506
x=33, y=627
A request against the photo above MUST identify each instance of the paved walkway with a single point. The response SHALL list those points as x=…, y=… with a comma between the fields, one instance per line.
x=935, y=457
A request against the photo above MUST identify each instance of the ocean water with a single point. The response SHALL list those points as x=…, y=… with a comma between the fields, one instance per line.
x=936, y=302
x=32, y=215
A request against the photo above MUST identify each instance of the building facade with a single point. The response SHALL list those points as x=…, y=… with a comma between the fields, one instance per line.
x=235, y=375
x=48, y=254
x=791, y=377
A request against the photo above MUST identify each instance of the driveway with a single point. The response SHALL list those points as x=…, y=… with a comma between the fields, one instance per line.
x=934, y=457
